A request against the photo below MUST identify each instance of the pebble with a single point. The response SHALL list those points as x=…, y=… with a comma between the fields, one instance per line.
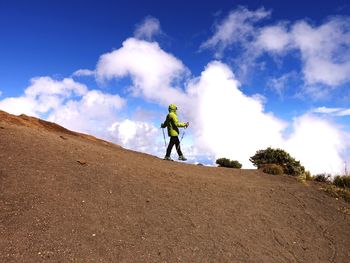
x=82, y=162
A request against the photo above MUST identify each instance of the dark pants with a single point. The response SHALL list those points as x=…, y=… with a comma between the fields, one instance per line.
x=173, y=140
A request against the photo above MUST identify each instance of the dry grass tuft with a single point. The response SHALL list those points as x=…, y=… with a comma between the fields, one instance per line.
x=337, y=192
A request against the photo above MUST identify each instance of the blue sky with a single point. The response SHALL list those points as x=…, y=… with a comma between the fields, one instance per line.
x=284, y=69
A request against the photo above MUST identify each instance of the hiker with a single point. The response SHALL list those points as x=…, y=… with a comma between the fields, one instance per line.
x=172, y=123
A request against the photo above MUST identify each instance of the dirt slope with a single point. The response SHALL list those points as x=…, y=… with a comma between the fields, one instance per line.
x=67, y=197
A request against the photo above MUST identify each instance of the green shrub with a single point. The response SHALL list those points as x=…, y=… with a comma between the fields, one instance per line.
x=308, y=176
x=280, y=157
x=323, y=178
x=224, y=162
x=272, y=168
x=342, y=181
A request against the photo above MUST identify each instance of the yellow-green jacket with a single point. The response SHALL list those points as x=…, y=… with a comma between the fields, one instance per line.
x=172, y=122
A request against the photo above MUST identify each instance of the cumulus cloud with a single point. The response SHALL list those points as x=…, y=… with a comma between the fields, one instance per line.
x=47, y=86
x=149, y=28
x=324, y=50
x=43, y=95
x=19, y=105
x=136, y=135
x=230, y=124
x=153, y=71
x=93, y=113
x=68, y=103
x=227, y=122
x=318, y=144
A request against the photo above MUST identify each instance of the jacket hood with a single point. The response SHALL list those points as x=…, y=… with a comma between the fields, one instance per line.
x=172, y=108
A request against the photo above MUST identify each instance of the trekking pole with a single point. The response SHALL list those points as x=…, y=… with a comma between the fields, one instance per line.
x=164, y=137
x=182, y=136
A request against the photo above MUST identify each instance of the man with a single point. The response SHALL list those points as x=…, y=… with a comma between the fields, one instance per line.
x=173, y=125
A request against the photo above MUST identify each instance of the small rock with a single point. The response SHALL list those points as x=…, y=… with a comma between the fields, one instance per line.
x=63, y=138
x=2, y=128
x=82, y=162
x=93, y=235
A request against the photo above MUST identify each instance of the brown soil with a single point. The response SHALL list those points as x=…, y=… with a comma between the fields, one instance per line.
x=68, y=197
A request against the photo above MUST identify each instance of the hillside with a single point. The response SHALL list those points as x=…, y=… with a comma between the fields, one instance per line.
x=69, y=197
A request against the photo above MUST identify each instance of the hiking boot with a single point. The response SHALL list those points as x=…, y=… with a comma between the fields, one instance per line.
x=182, y=158
x=167, y=158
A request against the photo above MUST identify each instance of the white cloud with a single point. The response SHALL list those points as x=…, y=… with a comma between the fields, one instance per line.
x=273, y=38
x=324, y=50
x=326, y=110
x=48, y=86
x=152, y=70
x=236, y=28
x=318, y=144
x=149, y=28
x=345, y=112
x=136, y=135
x=227, y=122
x=67, y=103
x=332, y=111
x=83, y=72
x=43, y=95
x=93, y=113
x=19, y=105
